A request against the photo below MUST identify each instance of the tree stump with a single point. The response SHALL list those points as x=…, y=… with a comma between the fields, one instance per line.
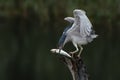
x=74, y=63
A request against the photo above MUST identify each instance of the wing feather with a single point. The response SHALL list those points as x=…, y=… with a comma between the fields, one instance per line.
x=81, y=26
x=85, y=26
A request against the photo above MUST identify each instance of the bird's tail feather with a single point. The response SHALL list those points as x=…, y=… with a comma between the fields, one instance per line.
x=94, y=36
x=90, y=38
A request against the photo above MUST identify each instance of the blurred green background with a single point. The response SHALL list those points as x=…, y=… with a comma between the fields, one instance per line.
x=30, y=28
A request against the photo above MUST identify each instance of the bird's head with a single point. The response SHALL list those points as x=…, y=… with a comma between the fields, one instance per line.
x=69, y=19
x=78, y=12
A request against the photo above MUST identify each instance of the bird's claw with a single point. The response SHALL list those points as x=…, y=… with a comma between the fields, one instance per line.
x=73, y=53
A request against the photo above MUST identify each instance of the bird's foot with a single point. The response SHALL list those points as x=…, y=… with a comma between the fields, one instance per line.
x=72, y=53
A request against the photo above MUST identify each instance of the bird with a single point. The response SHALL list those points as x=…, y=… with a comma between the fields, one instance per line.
x=80, y=33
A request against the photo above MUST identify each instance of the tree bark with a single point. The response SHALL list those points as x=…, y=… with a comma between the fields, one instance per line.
x=74, y=63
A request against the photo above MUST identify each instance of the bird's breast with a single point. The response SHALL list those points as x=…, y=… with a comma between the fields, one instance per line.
x=79, y=40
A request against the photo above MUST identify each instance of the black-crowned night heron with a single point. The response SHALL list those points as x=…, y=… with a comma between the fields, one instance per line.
x=79, y=33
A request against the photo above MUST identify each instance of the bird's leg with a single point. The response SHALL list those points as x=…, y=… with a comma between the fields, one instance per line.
x=81, y=49
x=75, y=47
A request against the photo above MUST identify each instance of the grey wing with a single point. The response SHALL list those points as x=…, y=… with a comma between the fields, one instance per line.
x=69, y=19
x=85, y=26
x=81, y=26
x=74, y=29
